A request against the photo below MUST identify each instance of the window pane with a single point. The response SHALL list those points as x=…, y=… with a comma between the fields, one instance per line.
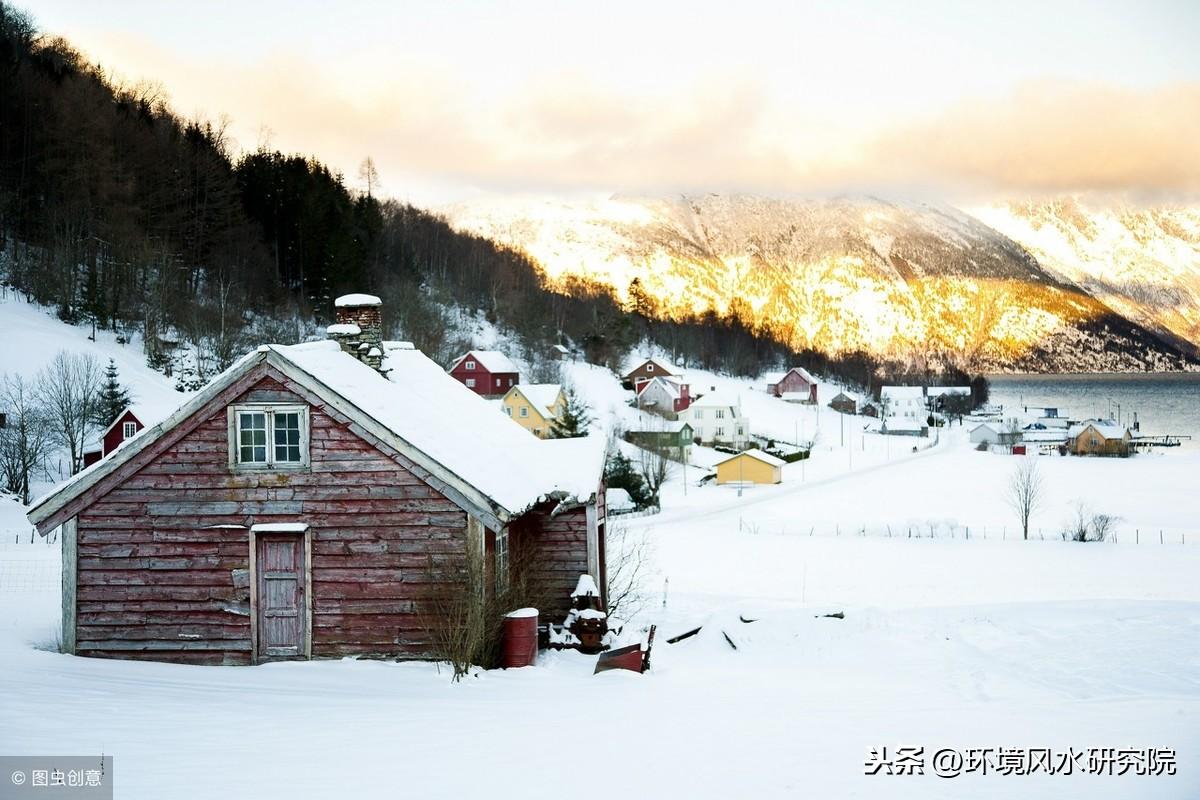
x=252, y=438
x=287, y=437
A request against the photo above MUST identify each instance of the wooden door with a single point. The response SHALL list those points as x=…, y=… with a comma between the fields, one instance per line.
x=282, y=618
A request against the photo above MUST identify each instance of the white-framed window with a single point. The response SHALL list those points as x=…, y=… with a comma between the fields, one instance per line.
x=719, y=432
x=507, y=411
x=502, y=560
x=264, y=436
x=510, y=381
x=470, y=365
x=470, y=383
x=649, y=368
x=497, y=381
x=720, y=413
x=128, y=430
x=739, y=431
x=524, y=411
x=699, y=412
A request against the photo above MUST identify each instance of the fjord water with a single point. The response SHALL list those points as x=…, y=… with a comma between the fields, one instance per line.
x=1165, y=403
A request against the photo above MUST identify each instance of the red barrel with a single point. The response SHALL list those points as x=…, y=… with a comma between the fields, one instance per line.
x=520, y=638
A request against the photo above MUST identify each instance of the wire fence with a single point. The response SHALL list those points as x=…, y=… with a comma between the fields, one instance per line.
x=939, y=529
x=29, y=565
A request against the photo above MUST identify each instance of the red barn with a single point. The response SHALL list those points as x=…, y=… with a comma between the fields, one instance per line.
x=796, y=385
x=304, y=505
x=486, y=372
x=125, y=426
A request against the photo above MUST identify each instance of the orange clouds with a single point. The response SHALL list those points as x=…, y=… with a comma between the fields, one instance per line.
x=446, y=131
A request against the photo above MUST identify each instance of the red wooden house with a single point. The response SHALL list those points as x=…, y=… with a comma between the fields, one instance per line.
x=304, y=505
x=796, y=385
x=125, y=426
x=486, y=372
x=645, y=371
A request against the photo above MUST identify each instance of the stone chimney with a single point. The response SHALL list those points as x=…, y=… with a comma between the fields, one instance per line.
x=359, y=328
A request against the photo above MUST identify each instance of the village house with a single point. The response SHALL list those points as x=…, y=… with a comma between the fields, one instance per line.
x=750, y=466
x=673, y=438
x=127, y=425
x=845, y=402
x=1099, y=438
x=796, y=385
x=486, y=372
x=534, y=406
x=666, y=395
x=717, y=419
x=559, y=352
x=869, y=408
x=903, y=401
x=903, y=426
x=646, y=370
x=949, y=399
x=308, y=503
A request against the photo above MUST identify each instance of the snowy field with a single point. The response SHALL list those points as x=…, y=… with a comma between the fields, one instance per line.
x=946, y=641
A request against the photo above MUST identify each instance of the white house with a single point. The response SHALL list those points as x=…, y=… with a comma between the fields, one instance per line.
x=985, y=433
x=907, y=402
x=717, y=418
x=666, y=395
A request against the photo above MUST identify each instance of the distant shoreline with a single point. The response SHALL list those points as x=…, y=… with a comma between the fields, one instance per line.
x=1181, y=376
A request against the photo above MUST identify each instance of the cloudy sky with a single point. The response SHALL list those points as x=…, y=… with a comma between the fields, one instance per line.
x=452, y=99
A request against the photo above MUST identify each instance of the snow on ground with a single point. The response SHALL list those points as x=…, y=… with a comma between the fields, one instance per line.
x=946, y=642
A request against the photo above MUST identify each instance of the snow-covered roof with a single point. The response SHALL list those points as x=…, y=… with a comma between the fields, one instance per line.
x=716, y=400
x=419, y=409
x=855, y=396
x=670, y=384
x=618, y=499
x=542, y=396
x=559, y=348
x=758, y=455
x=1106, y=428
x=491, y=360
x=351, y=300
x=343, y=329
x=1053, y=436
x=903, y=392
x=987, y=425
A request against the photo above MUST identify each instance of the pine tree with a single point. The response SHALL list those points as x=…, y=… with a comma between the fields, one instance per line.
x=620, y=473
x=114, y=398
x=574, y=419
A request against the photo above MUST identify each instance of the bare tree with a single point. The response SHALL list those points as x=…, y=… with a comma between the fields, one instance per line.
x=654, y=463
x=1025, y=492
x=369, y=175
x=25, y=439
x=69, y=389
x=629, y=561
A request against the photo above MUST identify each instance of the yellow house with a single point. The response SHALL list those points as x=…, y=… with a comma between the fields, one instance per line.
x=750, y=466
x=534, y=406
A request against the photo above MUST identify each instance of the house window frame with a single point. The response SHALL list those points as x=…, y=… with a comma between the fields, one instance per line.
x=470, y=383
x=128, y=430
x=469, y=365
x=503, y=561
x=524, y=412
x=270, y=410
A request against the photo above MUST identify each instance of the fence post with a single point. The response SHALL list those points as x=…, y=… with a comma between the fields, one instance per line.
x=1160, y=536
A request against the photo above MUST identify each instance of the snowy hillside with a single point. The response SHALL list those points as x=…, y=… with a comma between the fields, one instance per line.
x=1143, y=262
x=893, y=279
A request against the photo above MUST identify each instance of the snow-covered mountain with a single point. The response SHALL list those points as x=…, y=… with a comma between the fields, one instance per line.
x=905, y=280
x=1142, y=262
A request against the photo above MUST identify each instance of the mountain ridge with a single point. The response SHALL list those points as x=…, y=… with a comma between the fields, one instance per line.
x=902, y=280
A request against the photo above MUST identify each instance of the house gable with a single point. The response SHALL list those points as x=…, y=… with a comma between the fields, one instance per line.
x=54, y=509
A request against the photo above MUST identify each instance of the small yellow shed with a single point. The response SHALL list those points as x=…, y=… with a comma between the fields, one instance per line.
x=750, y=466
